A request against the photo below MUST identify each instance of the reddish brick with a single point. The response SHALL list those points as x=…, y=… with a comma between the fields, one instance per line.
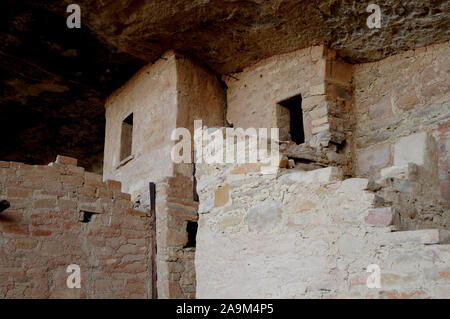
x=102, y=192
x=19, y=192
x=60, y=159
x=53, y=186
x=74, y=170
x=67, y=204
x=15, y=229
x=92, y=179
x=87, y=191
x=4, y=164
x=381, y=217
x=72, y=180
x=40, y=232
x=114, y=184
x=45, y=203
x=120, y=195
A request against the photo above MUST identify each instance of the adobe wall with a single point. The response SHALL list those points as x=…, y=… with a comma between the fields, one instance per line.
x=42, y=233
x=398, y=96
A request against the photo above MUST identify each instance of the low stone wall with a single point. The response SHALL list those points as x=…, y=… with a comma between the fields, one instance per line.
x=61, y=215
x=308, y=234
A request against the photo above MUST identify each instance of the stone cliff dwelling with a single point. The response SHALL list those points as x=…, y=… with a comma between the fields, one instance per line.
x=87, y=177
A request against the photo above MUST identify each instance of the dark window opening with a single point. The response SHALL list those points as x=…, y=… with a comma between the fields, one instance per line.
x=191, y=229
x=87, y=217
x=4, y=204
x=126, y=138
x=290, y=120
x=194, y=184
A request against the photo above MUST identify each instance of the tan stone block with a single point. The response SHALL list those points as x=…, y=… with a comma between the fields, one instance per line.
x=317, y=89
x=176, y=238
x=320, y=121
x=407, y=100
x=322, y=128
x=319, y=112
x=222, y=195
x=66, y=160
x=318, y=52
x=310, y=102
x=111, y=184
x=341, y=71
x=247, y=168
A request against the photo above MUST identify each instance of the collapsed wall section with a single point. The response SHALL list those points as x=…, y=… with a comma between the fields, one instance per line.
x=61, y=215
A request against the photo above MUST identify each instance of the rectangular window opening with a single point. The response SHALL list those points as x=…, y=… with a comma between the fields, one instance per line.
x=290, y=120
x=191, y=229
x=87, y=217
x=126, y=138
x=194, y=184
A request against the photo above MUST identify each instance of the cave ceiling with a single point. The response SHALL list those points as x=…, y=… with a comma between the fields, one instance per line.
x=55, y=80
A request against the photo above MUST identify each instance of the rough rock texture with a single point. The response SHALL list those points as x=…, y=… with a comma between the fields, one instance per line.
x=53, y=86
x=45, y=230
x=60, y=78
x=229, y=35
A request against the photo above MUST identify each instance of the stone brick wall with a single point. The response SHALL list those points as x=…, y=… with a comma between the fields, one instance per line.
x=398, y=96
x=170, y=93
x=42, y=233
x=309, y=234
x=324, y=83
x=175, y=263
x=151, y=95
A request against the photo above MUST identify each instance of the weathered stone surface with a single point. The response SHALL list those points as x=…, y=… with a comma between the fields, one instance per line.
x=381, y=120
x=424, y=236
x=375, y=157
x=411, y=149
x=381, y=217
x=288, y=238
x=408, y=171
x=322, y=175
x=264, y=216
x=222, y=196
x=353, y=185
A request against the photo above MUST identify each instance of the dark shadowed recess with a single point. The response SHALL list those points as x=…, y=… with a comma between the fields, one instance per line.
x=54, y=82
